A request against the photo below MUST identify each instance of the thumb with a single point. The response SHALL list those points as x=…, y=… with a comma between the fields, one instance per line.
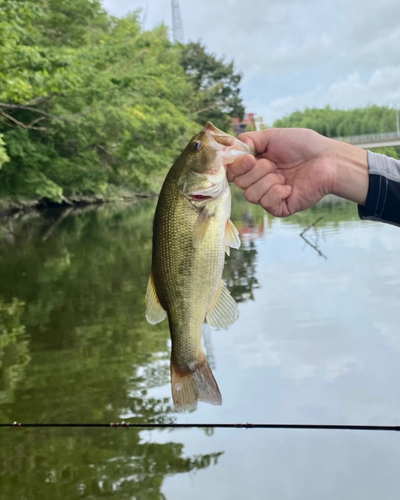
x=258, y=140
x=247, y=139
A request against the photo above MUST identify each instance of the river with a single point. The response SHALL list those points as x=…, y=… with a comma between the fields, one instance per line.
x=317, y=342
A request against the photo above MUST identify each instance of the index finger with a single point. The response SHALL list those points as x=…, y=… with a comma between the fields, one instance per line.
x=239, y=167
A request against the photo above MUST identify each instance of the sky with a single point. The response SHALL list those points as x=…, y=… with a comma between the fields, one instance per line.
x=294, y=54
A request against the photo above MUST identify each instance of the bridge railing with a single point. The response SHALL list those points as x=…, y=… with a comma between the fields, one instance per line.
x=361, y=139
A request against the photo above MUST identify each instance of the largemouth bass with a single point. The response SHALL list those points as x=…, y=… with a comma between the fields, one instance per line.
x=192, y=231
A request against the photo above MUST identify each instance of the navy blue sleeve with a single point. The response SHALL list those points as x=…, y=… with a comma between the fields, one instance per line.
x=383, y=199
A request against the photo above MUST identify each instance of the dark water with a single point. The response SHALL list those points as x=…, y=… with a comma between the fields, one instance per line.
x=317, y=341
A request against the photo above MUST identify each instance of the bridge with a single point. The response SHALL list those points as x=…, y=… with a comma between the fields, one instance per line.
x=373, y=140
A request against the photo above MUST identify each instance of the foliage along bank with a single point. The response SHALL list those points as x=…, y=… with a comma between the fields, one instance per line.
x=92, y=104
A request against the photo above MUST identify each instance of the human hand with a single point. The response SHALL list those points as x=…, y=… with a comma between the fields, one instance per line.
x=296, y=168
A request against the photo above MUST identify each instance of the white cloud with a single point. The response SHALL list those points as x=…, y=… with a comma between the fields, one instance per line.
x=368, y=19
x=310, y=51
x=381, y=50
x=281, y=102
x=381, y=88
x=295, y=53
x=287, y=56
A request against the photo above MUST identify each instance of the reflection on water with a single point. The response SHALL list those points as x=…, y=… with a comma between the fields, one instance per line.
x=317, y=341
x=90, y=464
x=74, y=347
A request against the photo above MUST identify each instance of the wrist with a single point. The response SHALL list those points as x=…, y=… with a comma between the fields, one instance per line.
x=350, y=165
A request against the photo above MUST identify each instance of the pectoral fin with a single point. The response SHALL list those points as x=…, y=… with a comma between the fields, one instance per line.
x=232, y=238
x=224, y=310
x=154, y=311
x=201, y=226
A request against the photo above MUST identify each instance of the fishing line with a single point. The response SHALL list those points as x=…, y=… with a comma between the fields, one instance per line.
x=395, y=428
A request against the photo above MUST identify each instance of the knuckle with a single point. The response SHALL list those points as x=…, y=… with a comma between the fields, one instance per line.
x=268, y=182
x=267, y=166
x=238, y=168
x=275, y=179
x=240, y=182
x=265, y=203
x=251, y=197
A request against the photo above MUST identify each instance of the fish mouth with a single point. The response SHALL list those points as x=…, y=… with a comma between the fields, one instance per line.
x=219, y=136
x=231, y=149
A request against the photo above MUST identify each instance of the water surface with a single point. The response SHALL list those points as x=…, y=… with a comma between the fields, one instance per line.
x=317, y=341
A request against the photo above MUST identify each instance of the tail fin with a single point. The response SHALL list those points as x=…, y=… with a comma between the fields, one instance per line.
x=192, y=385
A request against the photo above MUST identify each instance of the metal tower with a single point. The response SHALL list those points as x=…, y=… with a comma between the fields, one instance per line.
x=177, y=25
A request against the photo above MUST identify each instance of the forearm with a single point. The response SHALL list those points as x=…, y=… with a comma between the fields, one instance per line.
x=350, y=164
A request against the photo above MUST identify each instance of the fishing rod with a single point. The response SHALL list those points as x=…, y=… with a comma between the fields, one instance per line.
x=395, y=428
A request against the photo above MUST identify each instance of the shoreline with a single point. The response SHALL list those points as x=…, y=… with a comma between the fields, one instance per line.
x=17, y=207
x=13, y=206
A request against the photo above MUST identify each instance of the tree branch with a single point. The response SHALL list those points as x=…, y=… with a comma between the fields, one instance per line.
x=23, y=125
x=106, y=150
x=206, y=109
x=29, y=108
x=37, y=120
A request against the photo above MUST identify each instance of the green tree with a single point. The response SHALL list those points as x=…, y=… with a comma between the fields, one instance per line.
x=88, y=103
x=91, y=104
x=338, y=122
x=215, y=84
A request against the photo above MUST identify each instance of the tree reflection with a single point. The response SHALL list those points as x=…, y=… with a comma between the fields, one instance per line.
x=240, y=266
x=83, y=463
x=14, y=350
x=75, y=347
x=240, y=272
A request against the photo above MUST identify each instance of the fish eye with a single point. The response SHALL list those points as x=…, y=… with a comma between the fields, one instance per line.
x=197, y=145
